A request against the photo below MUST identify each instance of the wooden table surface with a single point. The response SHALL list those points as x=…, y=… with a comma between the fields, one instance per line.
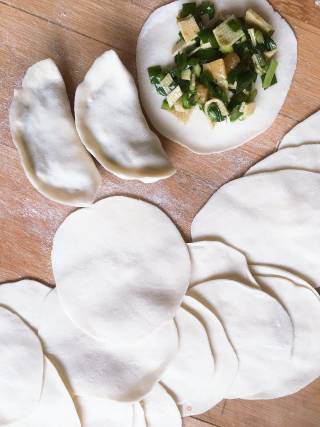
x=74, y=33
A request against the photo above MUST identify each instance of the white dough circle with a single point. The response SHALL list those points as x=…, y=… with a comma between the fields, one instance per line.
x=160, y=410
x=306, y=132
x=112, y=126
x=303, y=306
x=156, y=40
x=121, y=269
x=225, y=359
x=56, y=407
x=91, y=368
x=188, y=374
x=139, y=419
x=95, y=412
x=273, y=218
x=25, y=298
x=259, y=329
x=215, y=260
x=21, y=368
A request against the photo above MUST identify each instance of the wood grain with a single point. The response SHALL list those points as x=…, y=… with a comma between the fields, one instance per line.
x=74, y=33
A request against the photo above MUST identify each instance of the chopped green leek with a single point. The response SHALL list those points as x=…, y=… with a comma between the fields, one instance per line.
x=235, y=114
x=188, y=9
x=156, y=75
x=207, y=36
x=197, y=70
x=215, y=114
x=188, y=100
x=206, y=8
x=270, y=74
x=165, y=106
x=234, y=25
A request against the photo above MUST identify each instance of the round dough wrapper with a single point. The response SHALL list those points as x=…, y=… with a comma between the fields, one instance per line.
x=121, y=269
x=305, y=157
x=225, y=359
x=91, y=368
x=306, y=132
x=21, y=368
x=156, y=40
x=215, y=260
x=25, y=298
x=271, y=217
x=96, y=412
x=112, y=126
x=160, y=410
x=273, y=271
x=303, y=306
x=188, y=374
x=259, y=329
x=43, y=130
x=56, y=407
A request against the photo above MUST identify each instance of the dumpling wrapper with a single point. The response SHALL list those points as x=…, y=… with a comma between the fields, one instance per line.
x=303, y=306
x=121, y=269
x=306, y=132
x=112, y=126
x=259, y=329
x=188, y=374
x=95, y=412
x=92, y=368
x=160, y=410
x=56, y=407
x=273, y=218
x=273, y=271
x=225, y=359
x=215, y=260
x=25, y=298
x=43, y=130
x=156, y=40
x=21, y=368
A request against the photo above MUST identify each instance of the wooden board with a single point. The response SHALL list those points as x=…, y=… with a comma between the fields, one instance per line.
x=74, y=33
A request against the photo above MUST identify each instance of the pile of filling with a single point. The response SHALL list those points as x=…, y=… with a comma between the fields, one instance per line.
x=217, y=65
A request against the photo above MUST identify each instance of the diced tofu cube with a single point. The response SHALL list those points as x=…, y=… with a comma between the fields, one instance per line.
x=202, y=94
x=231, y=61
x=189, y=28
x=166, y=83
x=226, y=35
x=217, y=69
x=253, y=18
x=186, y=75
x=174, y=96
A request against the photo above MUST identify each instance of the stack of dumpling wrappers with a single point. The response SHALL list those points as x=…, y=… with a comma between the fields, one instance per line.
x=143, y=329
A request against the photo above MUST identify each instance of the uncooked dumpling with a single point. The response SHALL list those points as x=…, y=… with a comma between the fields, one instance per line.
x=25, y=298
x=96, y=412
x=121, y=269
x=160, y=410
x=259, y=329
x=225, y=359
x=189, y=373
x=55, y=407
x=215, y=260
x=111, y=124
x=43, y=130
x=92, y=368
x=21, y=368
x=303, y=306
x=273, y=218
x=156, y=40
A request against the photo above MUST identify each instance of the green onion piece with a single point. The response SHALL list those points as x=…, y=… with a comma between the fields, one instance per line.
x=234, y=25
x=207, y=55
x=188, y=9
x=188, y=100
x=165, y=106
x=206, y=8
x=214, y=113
x=252, y=96
x=235, y=114
x=259, y=37
x=181, y=61
x=207, y=36
x=197, y=70
x=268, y=78
x=156, y=75
x=269, y=44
